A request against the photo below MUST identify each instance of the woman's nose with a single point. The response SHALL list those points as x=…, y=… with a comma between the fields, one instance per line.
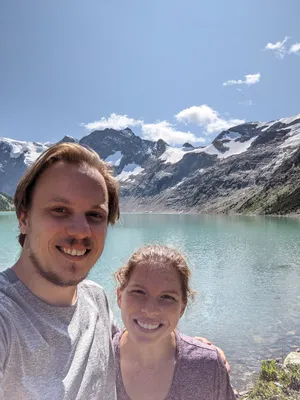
x=150, y=307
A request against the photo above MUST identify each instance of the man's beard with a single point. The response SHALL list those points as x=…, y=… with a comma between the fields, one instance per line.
x=53, y=277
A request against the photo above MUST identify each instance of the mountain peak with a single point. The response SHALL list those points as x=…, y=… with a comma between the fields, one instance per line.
x=68, y=139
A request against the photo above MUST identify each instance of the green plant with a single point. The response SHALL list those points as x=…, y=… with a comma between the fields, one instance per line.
x=269, y=371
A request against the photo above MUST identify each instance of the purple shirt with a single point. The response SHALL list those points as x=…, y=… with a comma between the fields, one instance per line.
x=199, y=373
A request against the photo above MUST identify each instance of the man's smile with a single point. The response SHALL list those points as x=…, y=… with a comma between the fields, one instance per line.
x=73, y=252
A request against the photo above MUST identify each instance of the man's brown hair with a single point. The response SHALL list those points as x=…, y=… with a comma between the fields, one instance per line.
x=72, y=153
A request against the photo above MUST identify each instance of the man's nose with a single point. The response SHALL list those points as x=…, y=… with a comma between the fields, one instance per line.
x=151, y=307
x=78, y=227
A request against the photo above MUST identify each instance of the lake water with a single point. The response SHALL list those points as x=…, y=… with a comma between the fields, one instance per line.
x=246, y=271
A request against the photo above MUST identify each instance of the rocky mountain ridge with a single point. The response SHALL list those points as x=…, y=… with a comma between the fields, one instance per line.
x=6, y=202
x=250, y=168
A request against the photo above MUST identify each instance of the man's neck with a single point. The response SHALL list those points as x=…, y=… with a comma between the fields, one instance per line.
x=148, y=355
x=43, y=289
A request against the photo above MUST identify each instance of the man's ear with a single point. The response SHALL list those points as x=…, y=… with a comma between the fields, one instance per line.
x=23, y=222
x=119, y=297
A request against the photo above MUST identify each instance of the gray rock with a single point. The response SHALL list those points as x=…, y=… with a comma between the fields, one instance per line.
x=292, y=358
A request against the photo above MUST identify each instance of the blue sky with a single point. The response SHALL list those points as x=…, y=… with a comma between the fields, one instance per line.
x=179, y=70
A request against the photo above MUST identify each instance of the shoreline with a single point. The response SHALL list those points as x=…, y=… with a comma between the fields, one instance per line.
x=185, y=212
x=278, y=379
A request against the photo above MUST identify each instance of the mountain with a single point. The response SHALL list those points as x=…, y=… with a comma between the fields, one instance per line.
x=250, y=168
x=6, y=202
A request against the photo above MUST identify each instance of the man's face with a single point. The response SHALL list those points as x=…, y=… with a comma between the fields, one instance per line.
x=66, y=224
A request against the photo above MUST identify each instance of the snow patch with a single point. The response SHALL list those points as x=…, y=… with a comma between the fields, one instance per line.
x=229, y=135
x=288, y=121
x=114, y=159
x=211, y=150
x=237, y=147
x=291, y=141
x=172, y=155
x=234, y=147
x=128, y=171
x=31, y=150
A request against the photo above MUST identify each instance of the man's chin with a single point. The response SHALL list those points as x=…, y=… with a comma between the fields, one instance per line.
x=63, y=281
x=70, y=276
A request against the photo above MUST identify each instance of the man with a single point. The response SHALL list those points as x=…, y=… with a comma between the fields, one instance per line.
x=55, y=326
x=55, y=331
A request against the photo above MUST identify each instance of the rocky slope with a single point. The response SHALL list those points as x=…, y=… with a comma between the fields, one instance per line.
x=6, y=203
x=251, y=168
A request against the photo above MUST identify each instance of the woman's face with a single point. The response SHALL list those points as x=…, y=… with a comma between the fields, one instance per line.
x=151, y=304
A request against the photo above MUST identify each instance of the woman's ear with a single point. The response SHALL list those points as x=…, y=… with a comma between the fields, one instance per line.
x=119, y=297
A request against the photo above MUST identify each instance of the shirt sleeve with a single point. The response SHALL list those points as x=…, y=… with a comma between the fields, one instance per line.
x=223, y=387
x=113, y=323
x=3, y=353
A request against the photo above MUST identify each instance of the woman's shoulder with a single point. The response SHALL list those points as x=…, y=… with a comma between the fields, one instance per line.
x=191, y=348
x=117, y=337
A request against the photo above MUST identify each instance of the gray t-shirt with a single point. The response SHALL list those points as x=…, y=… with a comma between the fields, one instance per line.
x=199, y=373
x=55, y=353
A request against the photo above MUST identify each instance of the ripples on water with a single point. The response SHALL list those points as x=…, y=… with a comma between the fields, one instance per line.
x=245, y=269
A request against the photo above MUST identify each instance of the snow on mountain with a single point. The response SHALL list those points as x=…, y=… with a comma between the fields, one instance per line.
x=31, y=150
x=154, y=174
x=115, y=158
x=236, y=147
x=129, y=171
x=290, y=120
x=173, y=155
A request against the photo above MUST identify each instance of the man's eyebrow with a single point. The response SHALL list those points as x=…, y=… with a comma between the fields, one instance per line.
x=60, y=200
x=100, y=205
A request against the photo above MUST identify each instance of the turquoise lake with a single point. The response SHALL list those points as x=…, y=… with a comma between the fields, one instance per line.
x=246, y=271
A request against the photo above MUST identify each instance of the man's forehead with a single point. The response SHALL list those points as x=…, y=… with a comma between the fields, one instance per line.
x=66, y=181
x=67, y=166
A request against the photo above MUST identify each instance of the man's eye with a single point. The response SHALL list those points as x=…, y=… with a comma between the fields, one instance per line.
x=95, y=215
x=59, y=210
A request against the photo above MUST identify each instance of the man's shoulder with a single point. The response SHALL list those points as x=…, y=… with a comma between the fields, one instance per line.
x=193, y=348
x=4, y=281
x=89, y=286
x=93, y=293
x=5, y=285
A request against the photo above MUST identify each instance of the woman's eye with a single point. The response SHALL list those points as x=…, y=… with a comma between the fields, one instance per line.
x=168, y=297
x=138, y=291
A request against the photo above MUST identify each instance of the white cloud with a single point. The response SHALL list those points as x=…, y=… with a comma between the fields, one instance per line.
x=166, y=131
x=207, y=118
x=115, y=121
x=295, y=48
x=278, y=48
x=250, y=79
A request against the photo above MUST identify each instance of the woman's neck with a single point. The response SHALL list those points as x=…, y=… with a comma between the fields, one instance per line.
x=148, y=354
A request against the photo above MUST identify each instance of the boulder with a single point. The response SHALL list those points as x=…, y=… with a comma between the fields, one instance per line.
x=292, y=358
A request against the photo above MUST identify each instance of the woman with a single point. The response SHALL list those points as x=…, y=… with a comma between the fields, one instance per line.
x=154, y=361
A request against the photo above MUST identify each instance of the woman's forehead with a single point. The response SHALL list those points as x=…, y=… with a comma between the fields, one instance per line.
x=155, y=273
